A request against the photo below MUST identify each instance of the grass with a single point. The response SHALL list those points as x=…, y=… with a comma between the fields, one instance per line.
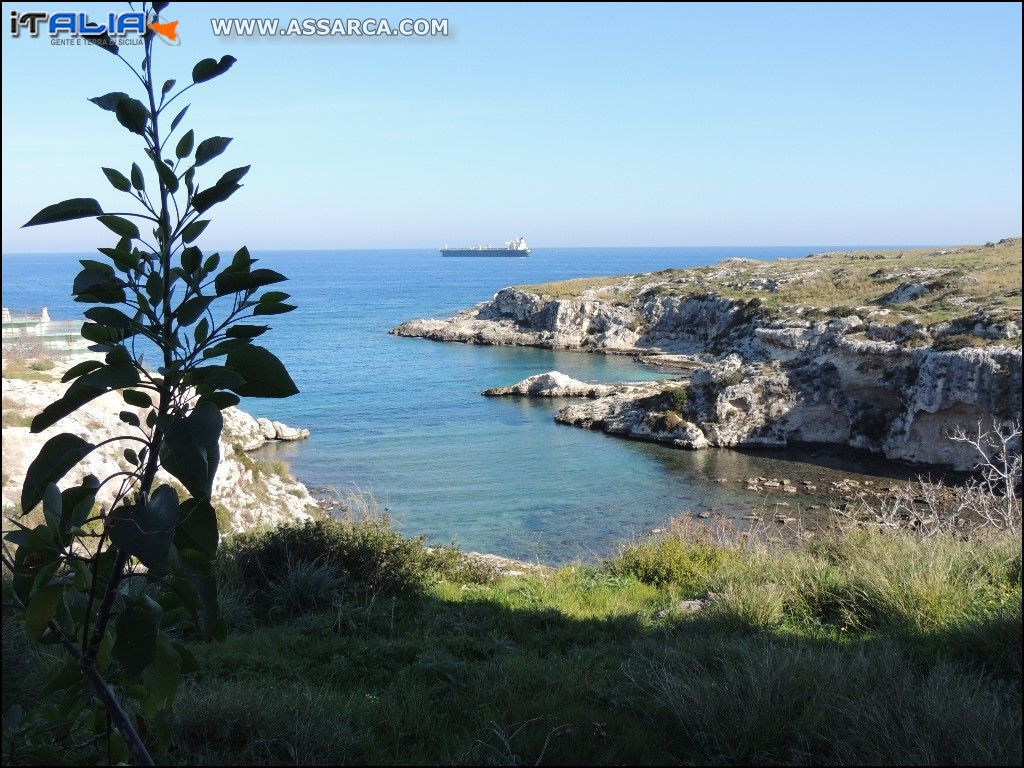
x=14, y=416
x=351, y=644
x=961, y=282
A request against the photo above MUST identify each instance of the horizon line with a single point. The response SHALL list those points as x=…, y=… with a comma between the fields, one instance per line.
x=551, y=247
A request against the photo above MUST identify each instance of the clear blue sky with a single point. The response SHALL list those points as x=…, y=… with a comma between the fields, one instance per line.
x=574, y=125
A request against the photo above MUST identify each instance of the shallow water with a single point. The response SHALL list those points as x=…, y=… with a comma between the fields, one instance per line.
x=404, y=418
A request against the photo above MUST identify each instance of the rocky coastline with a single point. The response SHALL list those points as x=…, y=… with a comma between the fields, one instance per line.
x=247, y=492
x=763, y=361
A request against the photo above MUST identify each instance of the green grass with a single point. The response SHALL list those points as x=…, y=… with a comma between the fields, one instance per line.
x=963, y=281
x=855, y=647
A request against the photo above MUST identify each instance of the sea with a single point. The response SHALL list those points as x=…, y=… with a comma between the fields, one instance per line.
x=403, y=419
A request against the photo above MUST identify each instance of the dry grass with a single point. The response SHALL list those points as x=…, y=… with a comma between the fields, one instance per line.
x=958, y=282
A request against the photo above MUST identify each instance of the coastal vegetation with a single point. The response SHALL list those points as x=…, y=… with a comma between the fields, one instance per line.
x=924, y=285
x=348, y=643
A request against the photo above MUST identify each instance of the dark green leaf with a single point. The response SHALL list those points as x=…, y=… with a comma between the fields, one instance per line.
x=178, y=117
x=136, y=398
x=234, y=175
x=110, y=316
x=210, y=148
x=146, y=530
x=168, y=84
x=232, y=282
x=117, y=179
x=185, y=144
x=77, y=503
x=197, y=527
x=109, y=101
x=272, y=309
x=82, y=390
x=224, y=399
x=138, y=180
x=264, y=374
x=55, y=459
x=273, y=297
x=120, y=226
x=84, y=367
x=215, y=377
x=190, y=258
x=132, y=114
x=224, y=347
x=242, y=331
x=101, y=334
x=75, y=208
x=194, y=230
x=202, y=331
x=41, y=608
x=155, y=288
x=137, y=628
x=191, y=449
x=211, y=263
x=52, y=507
x=130, y=418
x=205, y=200
x=167, y=177
x=93, y=284
x=191, y=309
x=207, y=69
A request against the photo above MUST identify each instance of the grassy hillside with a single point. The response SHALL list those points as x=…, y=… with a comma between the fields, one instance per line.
x=940, y=284
x=351, y=644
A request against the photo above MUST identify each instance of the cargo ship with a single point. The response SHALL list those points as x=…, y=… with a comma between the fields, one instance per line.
x=514, y=247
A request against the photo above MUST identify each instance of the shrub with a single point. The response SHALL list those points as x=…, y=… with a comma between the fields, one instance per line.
x=954, y=341
x=453, y=565
x=678, y=397
x=302, y=586
x=366, y=552
x=692, y=566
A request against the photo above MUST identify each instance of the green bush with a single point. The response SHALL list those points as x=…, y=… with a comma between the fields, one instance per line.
x=451, y=564
x=955, y=341
x=303, y=586
x=692, y=566
x=368, y=553
x=678, y=397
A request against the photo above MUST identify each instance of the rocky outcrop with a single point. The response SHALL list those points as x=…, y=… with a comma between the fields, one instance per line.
x=551, y=384
x=249, y=433
x=246, y=492
x=862, y=377
x=901, y=403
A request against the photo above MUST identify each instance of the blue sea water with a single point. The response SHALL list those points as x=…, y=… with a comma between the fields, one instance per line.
x=404, y=418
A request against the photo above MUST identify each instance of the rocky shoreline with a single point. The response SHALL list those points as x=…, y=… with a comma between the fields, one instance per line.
x=876, y=377
x=247, y=492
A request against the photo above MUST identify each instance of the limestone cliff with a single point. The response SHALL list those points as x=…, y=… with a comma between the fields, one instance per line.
x=246, y=491
x=919, y=346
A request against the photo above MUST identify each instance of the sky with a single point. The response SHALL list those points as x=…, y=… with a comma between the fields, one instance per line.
x=576, y=125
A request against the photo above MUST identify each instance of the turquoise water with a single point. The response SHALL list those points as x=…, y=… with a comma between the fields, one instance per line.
x=404, y=418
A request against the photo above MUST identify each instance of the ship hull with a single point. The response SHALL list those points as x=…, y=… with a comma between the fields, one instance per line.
x=484, y=252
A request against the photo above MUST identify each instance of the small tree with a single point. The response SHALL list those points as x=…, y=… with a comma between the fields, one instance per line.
x=118, y=587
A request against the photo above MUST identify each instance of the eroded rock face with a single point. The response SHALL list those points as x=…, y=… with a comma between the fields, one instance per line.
x=245, y=492
x=865, y=383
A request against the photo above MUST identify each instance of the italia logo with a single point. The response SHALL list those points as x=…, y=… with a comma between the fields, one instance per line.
x=80, y=25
